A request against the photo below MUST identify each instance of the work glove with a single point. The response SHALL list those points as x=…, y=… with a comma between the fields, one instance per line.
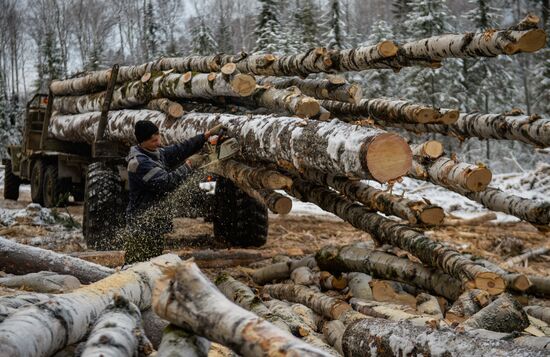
x=197, y=160
x=215, y=130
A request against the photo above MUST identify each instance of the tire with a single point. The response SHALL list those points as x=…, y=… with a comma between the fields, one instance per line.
x=238, y=218
x=11, y=182
x=37, y=181
x=104, y=208
x=53, y=188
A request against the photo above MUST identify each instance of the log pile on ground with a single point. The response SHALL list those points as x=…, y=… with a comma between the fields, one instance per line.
x=432, y=300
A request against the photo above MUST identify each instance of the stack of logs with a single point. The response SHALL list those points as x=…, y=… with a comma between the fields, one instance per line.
x=449, y=301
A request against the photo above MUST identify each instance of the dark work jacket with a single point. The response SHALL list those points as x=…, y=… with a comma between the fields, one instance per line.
x=150, y=173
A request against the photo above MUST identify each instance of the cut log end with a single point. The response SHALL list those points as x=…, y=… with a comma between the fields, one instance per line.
x=490, y=282
x=308, y=107
x=283, y=205
x=479, y=179
x=356, y=94
x=450, y=117
x=426, y=115
x=211, y=76
x=432, y=215
x=388, y=157
x=187, y=76
x=521, y=282
x=229, y=68
x=532, y=41
x=244, y=84
x=433, y=149
x=387, y=48
x=175, y=110
x=336, y=79
x=146, y=77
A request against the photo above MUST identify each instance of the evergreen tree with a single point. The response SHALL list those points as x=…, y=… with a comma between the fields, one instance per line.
x=269, y=36
x=202, y=41
x=309, y=26
x=150, y=37
x=400, y=11
x=50, y=65
x=335, y=36
x=223, y=32
x=542, y=69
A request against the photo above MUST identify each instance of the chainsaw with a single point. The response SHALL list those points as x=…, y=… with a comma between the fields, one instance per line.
x=220, y=148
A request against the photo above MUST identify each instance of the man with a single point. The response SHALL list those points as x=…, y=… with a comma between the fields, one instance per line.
x=154, y=171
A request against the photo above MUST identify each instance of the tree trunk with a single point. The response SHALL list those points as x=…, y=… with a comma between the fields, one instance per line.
x=505, y=314
x=339, y=90
x=489, y=43
x=452, y=174
x=429, y=305
x=118, y=330
x=379, y=337
x=392, y=312
x=532, y=129
x=387, y=231
x=42, y=282
x=360, y=258
x=185, y=297
x=323, y=279
x=329, y=307
x=22, y=259
x=388, y=110
x=257, y=178
x=531, y=253
x=382, y=201
x=277, y=203
x=333, y=332
x=280, y=271
x=539, y=312
x=540, y=287
x=173, y=85
x=10, y=304
x=243, y=296
x=467, y=304
x=168, y=107
x=514, y=281
x=334, y=147
x=296, y=325
x=391, y=291
x=69, y=316
x=176, y=342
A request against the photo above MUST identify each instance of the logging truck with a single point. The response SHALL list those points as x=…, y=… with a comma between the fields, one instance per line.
x=96, y=174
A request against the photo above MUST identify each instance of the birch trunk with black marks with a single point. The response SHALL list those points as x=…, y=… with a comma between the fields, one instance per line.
x=10, y=304
x=176, y=342
x=118, y=331
x=69, y=316
x=18, y=258
x=42, y=282
x=387, y=110
x=317, y=88
x=467, y=304
x=392, y=312
x=382, y=201
x=334, y=146
x=254, y=177
x=532, y=129
x=505, y=314
x=185, y=297
x=280, y=271
x=360, y=258
x=386, y=231
x=539, y=312
x=379, y=337
x=451, y=174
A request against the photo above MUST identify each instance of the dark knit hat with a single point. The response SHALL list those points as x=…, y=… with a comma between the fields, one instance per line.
x=144, y=130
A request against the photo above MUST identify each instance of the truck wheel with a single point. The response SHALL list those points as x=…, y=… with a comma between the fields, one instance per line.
x=238, y=218
x=11, y=182
x=105, y=203
x=37, y=181
x=53, y=188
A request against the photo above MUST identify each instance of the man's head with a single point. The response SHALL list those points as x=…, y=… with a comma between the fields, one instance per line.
x=147, y=135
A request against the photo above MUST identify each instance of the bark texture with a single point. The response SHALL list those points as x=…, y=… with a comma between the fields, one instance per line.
x=467, y=304
x=392, y=312
x=168, y=107
x=17, y=258
x=359, y=285
x=379, y=337
x=186, y=297
x=539, y=312
x=333, y=146
x=118, y=332
x=428, y=304
x=68, y=316
x=382, y=201
x=386, y=231
x=505, y=314
x=9, y=304
x=317, y=88
x=361, y=258
x=387, y=110
x=176, y=342
x=42, y=282
x=254, y=177
x=280, y=271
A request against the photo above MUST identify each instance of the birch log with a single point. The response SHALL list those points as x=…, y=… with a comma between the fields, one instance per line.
x=532, y=129
x=317, y=88
x=361, y=258
x=185, y=297
x=176, y=342
x=379, y=337
x=328, y=146
x=17, y=258
x=392, y=312
x=431, y=149
x=46, y=327
x=428, y=304
x=253, y=177
x=168, y=107
x=382, y=201
x=505, y=314
x=467, y=304
x=489, y=43
x=530, y=253
x=118, y=332
x=387, y=231
x=388, y=110
x=359, y=285
x=452, y=174
x=42, y=282
x=280, y=271
x=9, y=304
x=276, y=202
x=539, y=312
x=540, y=287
